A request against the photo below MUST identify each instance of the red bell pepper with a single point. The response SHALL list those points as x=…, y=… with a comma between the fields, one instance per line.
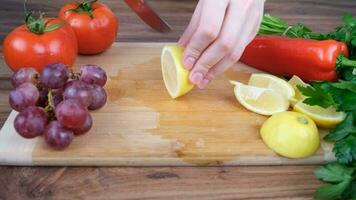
x=311, y=60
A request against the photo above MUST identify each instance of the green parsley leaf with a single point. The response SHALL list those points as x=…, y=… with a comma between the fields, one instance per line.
x=316, y=96
x=350, y=192
x=344, y=98
x=348, y=74
x=346, y=33
x=337, y=174
x=331, y=192
x=346, y=85
x=334, y=173
x=345, y=149
x=342, y=130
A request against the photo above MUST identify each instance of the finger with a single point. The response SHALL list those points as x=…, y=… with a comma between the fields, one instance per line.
x=247, y=36
x=229, y=34
x=219, y=68
x=207, y=31
x=192, y=27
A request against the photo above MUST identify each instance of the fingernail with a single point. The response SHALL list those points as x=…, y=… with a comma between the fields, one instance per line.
x=189, y=62
x=204, y=83
x=196, y=78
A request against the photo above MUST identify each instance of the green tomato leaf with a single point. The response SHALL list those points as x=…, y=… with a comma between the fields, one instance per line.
x=53, y=27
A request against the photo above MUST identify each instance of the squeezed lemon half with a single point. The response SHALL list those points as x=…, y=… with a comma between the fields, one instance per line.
x=175, y=76
x=291, y=134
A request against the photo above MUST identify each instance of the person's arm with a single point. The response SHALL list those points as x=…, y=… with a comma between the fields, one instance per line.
x=217, y=35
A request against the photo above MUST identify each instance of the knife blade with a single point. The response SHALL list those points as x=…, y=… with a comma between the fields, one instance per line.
x=148, y=15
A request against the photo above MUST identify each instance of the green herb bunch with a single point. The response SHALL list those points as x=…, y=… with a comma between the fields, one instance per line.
x=341, y=95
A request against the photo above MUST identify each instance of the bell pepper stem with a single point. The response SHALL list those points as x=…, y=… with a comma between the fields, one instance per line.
x=344, y=62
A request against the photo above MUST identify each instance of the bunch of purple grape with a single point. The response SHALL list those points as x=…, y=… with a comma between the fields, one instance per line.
x=56, y=102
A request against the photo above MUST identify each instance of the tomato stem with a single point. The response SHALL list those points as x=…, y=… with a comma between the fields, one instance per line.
x=84, y=7
x=39, y=25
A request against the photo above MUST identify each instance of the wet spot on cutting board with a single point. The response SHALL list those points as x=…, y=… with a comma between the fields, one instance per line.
x=206, y=127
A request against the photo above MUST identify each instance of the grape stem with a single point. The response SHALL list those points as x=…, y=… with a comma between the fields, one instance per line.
x=50, y=107
x=36, y=80
x=74, y=75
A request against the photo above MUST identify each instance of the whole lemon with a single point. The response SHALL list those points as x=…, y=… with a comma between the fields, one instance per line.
x=291, y=134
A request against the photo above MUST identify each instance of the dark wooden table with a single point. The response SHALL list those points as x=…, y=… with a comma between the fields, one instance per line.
x=249, y=182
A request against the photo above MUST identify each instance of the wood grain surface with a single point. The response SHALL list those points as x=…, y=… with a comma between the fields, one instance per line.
x=141, y=125
x=293, y=182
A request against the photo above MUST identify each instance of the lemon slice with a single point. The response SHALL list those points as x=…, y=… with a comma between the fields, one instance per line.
x=294, y=81
x=260, y=100
x=324, y=118
x=272, y=82
x=175, y=76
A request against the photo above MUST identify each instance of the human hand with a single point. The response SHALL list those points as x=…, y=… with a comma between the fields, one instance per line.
x=217, y=35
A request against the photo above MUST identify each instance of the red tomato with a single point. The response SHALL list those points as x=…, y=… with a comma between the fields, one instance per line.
x=23, y=48
x=95, y=25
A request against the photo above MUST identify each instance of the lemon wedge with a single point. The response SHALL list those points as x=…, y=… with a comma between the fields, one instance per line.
x=324, y=118
x=260, y=100
x=294, y=82
x=272, y=82
x=175, y=76
x=291, y=134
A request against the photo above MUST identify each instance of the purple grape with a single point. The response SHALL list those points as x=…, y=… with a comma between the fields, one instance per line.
x=98, y=97
x=54, y=76
x=31, y=122
x=57, y=136
x=23, y=75
x=80, y=91
x=85, y=127
x=68, y=83
x=71, y=113
x=23, y=96
x=93, y=74
x=57, y=96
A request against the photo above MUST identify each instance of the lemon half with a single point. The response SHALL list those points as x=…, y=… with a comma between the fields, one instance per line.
x=291, y=134
x=260, y=100
x=175, y=76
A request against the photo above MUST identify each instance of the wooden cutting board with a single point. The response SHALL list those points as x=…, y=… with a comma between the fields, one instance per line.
x=142, y=126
